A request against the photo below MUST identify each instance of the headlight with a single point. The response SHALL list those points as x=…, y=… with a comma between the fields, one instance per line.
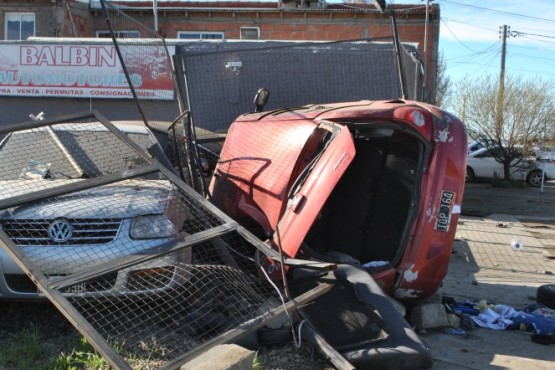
x=151, y=227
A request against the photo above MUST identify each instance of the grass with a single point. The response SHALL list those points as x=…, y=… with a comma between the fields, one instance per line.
x=83, y=356
x=256, y=365
x=28, y=352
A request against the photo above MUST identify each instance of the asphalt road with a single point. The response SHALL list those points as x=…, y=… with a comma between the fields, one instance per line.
x=481, y=199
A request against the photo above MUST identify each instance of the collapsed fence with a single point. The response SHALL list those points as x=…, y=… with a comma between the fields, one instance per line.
x=138, y=262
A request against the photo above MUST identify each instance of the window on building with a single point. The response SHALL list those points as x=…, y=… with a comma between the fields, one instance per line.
x=119, y=34
x=19, y=26
x=250, y=33
x=200, y=35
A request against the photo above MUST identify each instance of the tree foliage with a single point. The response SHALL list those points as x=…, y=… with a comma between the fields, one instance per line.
x=525, y=117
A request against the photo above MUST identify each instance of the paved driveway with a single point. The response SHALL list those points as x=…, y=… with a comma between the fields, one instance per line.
x=484, y=266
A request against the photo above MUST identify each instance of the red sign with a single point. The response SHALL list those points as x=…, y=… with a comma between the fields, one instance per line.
x=84, y=71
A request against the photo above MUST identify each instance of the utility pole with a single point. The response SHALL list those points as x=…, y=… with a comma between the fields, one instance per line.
x=155, y=11
x=425, y=54
x=499, y=117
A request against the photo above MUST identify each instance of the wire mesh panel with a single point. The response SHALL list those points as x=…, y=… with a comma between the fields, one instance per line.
x=221, y=78
x=141, y=264
x=147, y=65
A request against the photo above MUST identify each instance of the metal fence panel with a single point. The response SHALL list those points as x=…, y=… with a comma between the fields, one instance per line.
x=221, y=78
x=141, y=264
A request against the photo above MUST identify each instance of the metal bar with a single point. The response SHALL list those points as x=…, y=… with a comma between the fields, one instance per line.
x=317, y=340
x=76, y=186
x=397, y=46
x=211, y=140
x=146, y=256
x=250, y=326
x=45, y=122
x=63, y=305
x=297, y=45
x=122, y=61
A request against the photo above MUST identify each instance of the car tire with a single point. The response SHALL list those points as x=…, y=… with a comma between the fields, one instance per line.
x=469, y=176
x=534, y=178
x=546, y=295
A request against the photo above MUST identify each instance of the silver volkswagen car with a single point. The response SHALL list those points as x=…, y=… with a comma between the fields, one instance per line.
x=68, y=233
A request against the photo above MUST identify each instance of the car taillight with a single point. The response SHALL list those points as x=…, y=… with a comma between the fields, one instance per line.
x=419, y=117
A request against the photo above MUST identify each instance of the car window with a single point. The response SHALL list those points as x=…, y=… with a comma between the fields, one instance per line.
x=475, y=146
x=485, y=154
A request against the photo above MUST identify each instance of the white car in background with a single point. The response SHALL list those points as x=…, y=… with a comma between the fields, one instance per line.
x=481, y=164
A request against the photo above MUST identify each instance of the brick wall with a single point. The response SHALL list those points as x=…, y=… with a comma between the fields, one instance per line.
x=313, y=25
x=296, y=24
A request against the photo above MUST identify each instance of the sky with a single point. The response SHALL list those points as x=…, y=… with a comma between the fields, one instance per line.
x=471, y=43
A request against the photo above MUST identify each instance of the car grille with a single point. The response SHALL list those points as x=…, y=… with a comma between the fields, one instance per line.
x=85, y=231
x=22, y=284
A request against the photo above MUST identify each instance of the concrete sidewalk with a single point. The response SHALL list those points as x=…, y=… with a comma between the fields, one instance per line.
x=485, y=266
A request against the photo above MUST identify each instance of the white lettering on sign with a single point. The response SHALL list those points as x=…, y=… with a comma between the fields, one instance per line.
x=61, y=56
x=67, y=79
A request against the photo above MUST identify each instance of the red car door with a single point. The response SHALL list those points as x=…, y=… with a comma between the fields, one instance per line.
x=313, y=186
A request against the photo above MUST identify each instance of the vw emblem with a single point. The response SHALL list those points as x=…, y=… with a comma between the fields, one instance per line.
x=60, y=231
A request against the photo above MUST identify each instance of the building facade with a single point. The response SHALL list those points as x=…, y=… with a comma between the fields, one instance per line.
x=263, y=20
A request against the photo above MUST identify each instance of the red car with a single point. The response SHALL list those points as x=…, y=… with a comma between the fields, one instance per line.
x=377, y=184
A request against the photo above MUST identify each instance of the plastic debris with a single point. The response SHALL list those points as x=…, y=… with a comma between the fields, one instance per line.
x=516, y=244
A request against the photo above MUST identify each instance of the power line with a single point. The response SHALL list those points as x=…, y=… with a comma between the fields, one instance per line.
x=498, y=11
x=456, y=38
x=469, y=24
x=531, y=56
x=520, y=34
x=539, y=40
x=529, y=48
x=493, y=48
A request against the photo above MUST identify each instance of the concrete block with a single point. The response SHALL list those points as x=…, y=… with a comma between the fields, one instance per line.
x=222, y=357
x=430, y=315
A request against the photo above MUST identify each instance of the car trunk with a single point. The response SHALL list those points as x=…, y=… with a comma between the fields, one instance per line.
x=368, y=213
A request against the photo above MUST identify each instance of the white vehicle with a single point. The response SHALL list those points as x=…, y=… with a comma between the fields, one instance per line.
x=476, y=145
x=71, y=232
x=481, y=164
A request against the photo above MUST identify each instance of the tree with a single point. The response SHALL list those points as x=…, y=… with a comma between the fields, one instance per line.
x=443, y=83
x=527, y=116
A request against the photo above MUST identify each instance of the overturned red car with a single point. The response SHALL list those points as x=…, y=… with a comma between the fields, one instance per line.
x=376, y=184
